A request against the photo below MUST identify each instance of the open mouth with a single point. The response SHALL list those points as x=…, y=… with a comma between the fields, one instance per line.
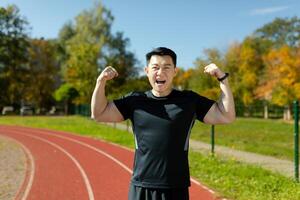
x=160, y=82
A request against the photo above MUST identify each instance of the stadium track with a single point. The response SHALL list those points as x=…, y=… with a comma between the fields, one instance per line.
x=63, y=165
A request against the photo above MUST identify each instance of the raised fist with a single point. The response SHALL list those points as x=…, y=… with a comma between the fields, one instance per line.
x=214, y=70
x=107, y=74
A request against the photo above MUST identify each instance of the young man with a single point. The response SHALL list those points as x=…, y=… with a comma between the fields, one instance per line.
x=162, y=119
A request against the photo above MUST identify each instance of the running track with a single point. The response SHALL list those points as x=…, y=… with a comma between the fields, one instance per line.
x=62, y=165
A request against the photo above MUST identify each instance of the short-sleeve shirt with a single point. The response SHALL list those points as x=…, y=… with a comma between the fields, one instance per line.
x=162, y=127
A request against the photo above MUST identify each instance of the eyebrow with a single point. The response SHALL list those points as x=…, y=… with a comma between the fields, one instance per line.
x=167, y=64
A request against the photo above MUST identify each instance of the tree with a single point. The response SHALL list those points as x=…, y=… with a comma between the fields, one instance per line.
x=283, y=77
x=248, y=70
x=281, y=32
x=66, y=93
x=274, y=35
x=122, y=60
x=83, y=45
x=42, y=77
x=181, y=80
x=65, y=34
x=202, y=83
x=13, y=54
x=232, y=65
x=89, y=46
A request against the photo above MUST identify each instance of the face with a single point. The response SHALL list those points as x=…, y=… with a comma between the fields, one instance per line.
x=160, y=72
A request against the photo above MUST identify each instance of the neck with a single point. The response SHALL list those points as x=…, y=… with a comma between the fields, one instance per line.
x=161, y=94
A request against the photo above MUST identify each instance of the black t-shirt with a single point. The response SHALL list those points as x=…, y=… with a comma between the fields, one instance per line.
x=162, y=127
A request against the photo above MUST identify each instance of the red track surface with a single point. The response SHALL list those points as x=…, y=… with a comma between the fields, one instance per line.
x=67, y=166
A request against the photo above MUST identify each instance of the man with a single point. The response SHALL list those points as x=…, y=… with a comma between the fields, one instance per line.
x=162, y=119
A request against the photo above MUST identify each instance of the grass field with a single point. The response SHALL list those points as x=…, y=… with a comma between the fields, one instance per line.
x=268, y=137
x=229, y=178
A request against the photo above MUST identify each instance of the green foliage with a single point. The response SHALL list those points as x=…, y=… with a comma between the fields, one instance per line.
x=123, y=61
x=42, y=76
x=203, y=83
x=83, y=43
x=29, y=68
x=249, y=70
x=133, y=84
x=88, y=46
x=252, y=69
x=13, y=54
x=81, y=71
x=281, y=31
x=65, y=93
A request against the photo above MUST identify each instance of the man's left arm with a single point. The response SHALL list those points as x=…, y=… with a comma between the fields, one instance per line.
x=223, y=111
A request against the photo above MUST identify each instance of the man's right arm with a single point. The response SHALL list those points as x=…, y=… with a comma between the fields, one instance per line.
x=101, y=109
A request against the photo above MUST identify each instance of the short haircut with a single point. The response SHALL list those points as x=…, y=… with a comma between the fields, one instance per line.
x=162, y=51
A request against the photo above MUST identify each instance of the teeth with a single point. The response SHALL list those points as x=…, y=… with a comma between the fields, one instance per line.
x=160, y=82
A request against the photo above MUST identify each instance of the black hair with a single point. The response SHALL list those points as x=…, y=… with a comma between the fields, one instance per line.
x=162, y=51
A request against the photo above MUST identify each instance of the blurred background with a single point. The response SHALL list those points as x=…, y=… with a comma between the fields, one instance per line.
x=51, y=52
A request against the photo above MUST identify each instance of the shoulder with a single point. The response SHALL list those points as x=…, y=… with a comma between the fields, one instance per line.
x=197, y=97
x=189, y=93
x=133, y=94
x=136, y=94
x=128, y=99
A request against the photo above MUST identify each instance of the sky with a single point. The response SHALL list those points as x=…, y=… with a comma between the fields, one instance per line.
x=186, y=26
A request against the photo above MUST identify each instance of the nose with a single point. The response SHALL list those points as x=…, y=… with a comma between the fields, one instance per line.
x=159, y=71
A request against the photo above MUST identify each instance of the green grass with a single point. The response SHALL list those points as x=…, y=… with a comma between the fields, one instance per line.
x=236, y=180
x=231, y=179
x=268, y=137
x=75, y=124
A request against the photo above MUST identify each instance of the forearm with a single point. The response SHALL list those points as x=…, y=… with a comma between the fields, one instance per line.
x=226, y=101
x=99, y=100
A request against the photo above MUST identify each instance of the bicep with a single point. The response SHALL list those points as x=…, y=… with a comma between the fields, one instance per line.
x=215, y=116
x=110, y=114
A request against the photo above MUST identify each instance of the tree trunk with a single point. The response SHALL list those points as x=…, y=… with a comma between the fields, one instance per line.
x=266, y=112
x=66, y=107
x=287, y=113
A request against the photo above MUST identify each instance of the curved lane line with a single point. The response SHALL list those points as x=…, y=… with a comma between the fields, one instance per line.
x=110, y=156
x=31, y=171
x=93, y=148
x=85, y=178
x=103, y=152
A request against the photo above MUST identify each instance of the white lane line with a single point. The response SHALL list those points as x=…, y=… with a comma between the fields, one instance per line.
x=85, y=178
x=31, y=171
x=115, y=159
x=196, y=182
x=108, y=155
x=93, y=148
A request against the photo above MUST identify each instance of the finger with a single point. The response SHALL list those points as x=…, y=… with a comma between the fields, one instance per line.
x=112, y=70
x=207, y=69
x=115, y=71
x=111, y=74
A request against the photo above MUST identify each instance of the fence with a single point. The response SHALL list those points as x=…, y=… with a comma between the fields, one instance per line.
x=296, y=139
x=264, y=111
x=84, y=110
x=258, y=111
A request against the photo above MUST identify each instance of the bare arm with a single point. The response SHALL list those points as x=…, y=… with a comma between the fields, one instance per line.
x=223, y=111
x=101, y=109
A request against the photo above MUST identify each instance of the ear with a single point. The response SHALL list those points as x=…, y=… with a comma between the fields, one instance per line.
x=176, y=70
x=146, y=69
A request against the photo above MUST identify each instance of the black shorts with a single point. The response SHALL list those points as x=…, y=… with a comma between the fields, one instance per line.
x=141, y=193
